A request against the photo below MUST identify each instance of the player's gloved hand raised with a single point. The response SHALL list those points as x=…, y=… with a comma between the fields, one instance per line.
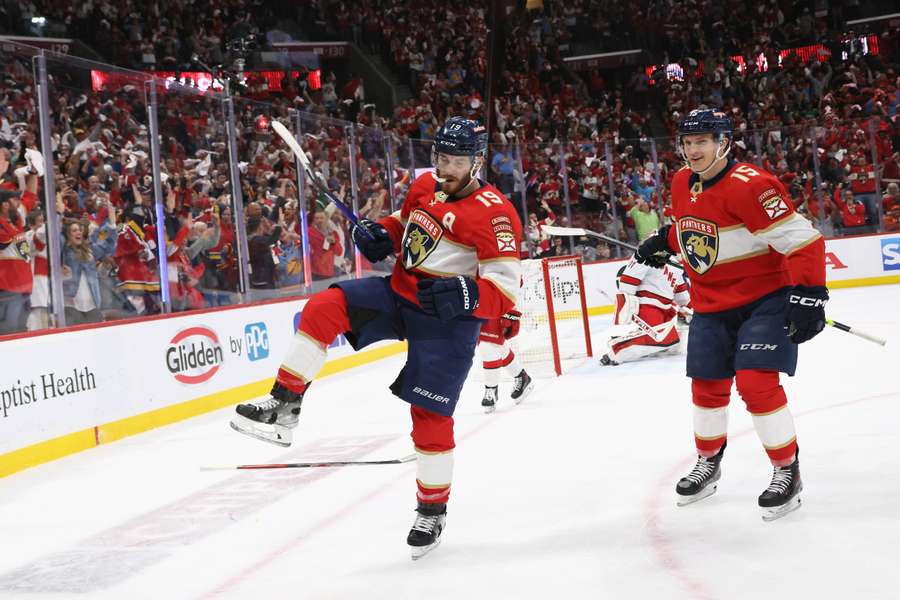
x=510, y=324
x=375, y=249
x=654, y=250
x=448, y=297
x=805, y=315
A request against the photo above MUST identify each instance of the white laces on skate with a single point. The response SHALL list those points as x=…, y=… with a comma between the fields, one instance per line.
x=781, y=480
x=520, y=383
x=425, y=523
x=267, y=404
x=702, y=470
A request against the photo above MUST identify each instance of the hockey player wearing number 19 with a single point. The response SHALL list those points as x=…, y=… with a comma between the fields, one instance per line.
x=457, y=240
x=757, y=271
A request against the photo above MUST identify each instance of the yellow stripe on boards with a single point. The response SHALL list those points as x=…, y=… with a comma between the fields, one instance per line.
x=601, y=310
x=42, y=452
x=48, y=450
x=863, y=281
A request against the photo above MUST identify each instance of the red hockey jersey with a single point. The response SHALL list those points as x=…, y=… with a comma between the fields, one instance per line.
x=477, y=236
x=740, y=237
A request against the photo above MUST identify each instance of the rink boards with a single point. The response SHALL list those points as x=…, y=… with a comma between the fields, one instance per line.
x=65, y=392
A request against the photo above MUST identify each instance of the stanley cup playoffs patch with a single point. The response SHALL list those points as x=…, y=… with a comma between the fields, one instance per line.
x=506, y=239
x=699, y=243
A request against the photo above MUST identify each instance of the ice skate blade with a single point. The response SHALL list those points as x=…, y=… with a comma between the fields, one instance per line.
x=489, y=409
x=706, y=492
x=420, y=551
x=770, y=514
x=525, y=393
x=274, y=434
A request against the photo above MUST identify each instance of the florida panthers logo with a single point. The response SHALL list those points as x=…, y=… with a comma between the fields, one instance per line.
x=420, y=238
x=699, y=243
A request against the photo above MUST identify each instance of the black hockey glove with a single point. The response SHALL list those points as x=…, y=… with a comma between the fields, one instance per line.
x=373, y=249
x=805, y=315
x=448, y=297
x=654, y=250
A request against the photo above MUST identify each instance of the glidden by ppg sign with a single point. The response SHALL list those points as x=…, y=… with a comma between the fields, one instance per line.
x=194, y=355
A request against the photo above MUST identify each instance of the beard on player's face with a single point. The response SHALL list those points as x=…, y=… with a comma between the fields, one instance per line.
x=453, y=183
x=455, y=171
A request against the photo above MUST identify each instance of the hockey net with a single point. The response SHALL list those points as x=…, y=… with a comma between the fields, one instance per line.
x=554, y=333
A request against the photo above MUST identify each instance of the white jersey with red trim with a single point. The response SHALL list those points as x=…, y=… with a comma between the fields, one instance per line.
x=663, y=288
x=477, y=236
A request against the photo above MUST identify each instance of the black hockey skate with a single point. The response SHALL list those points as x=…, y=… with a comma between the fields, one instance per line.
x=523, y=387
x=783, y=494
x=606, y=361
x=489, y=402
x=700, y=483
x=271, y=419
x=425, y=534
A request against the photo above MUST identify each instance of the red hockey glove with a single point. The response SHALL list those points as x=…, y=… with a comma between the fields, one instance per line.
x=510, y=323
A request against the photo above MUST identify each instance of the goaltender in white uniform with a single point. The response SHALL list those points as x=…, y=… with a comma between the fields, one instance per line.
x=648, y=305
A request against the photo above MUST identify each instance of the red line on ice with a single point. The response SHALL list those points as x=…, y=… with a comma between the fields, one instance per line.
x=662, y=544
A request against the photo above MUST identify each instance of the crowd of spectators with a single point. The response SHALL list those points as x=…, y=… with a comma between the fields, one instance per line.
x=842, y=101
x=556, y=137
x=162, y=35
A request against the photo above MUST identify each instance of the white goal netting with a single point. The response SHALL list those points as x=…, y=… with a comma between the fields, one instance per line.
x=553, y=336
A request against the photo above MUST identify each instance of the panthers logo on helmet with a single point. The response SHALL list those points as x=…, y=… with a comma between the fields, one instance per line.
x=420, y=238
x=699, y=243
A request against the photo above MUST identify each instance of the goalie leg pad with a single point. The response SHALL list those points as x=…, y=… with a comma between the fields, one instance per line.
x=634, y=346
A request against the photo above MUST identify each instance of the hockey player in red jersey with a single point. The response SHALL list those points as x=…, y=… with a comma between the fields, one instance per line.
x=497, y=356
x=648, y=305
x=457, y=241
x=757, y=273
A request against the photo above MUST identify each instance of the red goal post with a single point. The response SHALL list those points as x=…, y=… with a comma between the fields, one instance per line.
x=554, y=326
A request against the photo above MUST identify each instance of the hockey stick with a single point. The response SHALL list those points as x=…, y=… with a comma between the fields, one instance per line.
x=306, y=465
x=651, y=331
x=572, y=231
x=563, y=231
x=316, y=178
x=866, y=336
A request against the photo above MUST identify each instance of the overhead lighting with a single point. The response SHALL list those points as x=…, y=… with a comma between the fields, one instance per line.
x=38, y=20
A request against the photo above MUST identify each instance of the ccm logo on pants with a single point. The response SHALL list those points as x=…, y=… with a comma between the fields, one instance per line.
x=759, y=346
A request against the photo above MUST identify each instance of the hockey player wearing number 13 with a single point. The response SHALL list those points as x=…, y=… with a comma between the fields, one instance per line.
x=458, y=244
x=757, y=272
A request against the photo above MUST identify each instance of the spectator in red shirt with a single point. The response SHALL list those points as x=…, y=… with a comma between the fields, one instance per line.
x=324, y=245
x=852, y=212
x=15, y=266
x=862, y=182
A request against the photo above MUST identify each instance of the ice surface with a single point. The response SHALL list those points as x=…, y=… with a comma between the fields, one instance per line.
x=568, y=495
